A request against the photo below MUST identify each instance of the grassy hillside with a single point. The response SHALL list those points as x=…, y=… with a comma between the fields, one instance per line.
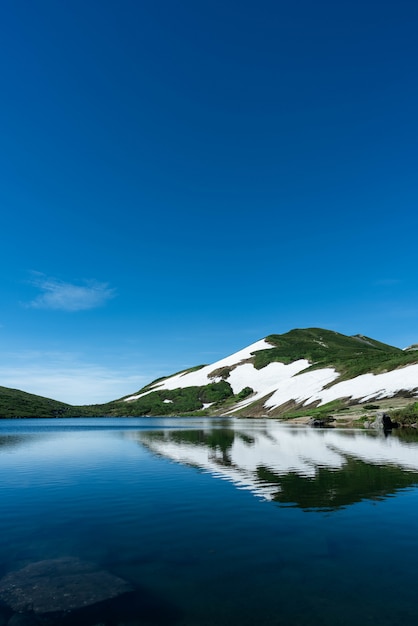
x=15, y=403
x=351, y=356
x=187, y=401
x=407, y=416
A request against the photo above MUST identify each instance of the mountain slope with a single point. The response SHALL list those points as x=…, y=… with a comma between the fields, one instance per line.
x=302, y=368
x=16, y=403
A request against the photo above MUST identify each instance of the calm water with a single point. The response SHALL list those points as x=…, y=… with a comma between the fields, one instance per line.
x=210, y=522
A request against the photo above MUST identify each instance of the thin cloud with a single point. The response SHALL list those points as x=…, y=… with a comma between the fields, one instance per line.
x=62, y=296
x=66, y=377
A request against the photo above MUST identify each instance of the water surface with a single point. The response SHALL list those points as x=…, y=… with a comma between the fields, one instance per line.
x=210, y=522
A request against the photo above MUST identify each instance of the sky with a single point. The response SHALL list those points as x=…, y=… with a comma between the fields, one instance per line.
x=180, y=179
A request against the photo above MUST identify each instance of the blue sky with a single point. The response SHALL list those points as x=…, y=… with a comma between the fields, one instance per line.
x=180, y=179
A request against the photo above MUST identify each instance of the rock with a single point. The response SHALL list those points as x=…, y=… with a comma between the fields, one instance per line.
x=324, y=422
x=383, y=422
x=58, y=585
x=387, y=422
x=377, y=423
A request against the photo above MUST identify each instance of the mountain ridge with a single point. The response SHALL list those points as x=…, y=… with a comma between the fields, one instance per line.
x=303, y=369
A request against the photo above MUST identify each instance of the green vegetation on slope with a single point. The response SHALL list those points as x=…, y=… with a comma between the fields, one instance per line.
x=189, y=400
x=351, y=356
x=406, y=416
x=15, y=403
x=155, y=382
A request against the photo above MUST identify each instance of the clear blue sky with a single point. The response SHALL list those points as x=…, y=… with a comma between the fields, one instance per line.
x=180, y=179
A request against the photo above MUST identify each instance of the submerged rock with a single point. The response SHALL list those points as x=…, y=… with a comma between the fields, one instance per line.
x=59, y=585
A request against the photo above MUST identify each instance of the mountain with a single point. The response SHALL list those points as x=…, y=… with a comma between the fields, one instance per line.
x=303, y=370
x=16, y=403
x=413, y=347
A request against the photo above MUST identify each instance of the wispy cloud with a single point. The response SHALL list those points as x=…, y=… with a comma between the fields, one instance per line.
x=67, y=377
x=62, y=296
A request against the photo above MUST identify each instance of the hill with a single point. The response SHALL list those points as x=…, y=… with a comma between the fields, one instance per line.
x=304, y=368
x=311, y=369
x=15, y=403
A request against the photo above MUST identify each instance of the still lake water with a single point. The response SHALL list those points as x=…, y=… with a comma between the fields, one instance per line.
x=211, y=522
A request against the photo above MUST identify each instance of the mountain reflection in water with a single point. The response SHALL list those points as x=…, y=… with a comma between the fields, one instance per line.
x=303, y=467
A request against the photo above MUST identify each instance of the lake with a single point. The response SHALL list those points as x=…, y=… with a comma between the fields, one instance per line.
x=204, y=522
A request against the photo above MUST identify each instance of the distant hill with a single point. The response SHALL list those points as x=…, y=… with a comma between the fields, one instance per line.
x=15, y=403
x=303, y=369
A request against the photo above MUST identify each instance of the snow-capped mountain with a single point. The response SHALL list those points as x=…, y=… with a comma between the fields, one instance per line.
x=302, y=368
x=299, y=370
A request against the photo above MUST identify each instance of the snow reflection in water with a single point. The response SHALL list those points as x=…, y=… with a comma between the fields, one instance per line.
x=307, y=467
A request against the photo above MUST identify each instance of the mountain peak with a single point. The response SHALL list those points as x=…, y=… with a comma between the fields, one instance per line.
x=302, y=367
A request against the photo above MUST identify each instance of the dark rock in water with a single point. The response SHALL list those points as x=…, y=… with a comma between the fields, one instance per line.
x=59, y=585
x=325, y=422
x=387, y=422
x=383, y=422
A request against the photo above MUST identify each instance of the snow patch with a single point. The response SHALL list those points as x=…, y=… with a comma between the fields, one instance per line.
x=370, y=386
x=308, y=388
x=301, y=387
x=201, y=377
x=268, y=380
x=284, y=383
